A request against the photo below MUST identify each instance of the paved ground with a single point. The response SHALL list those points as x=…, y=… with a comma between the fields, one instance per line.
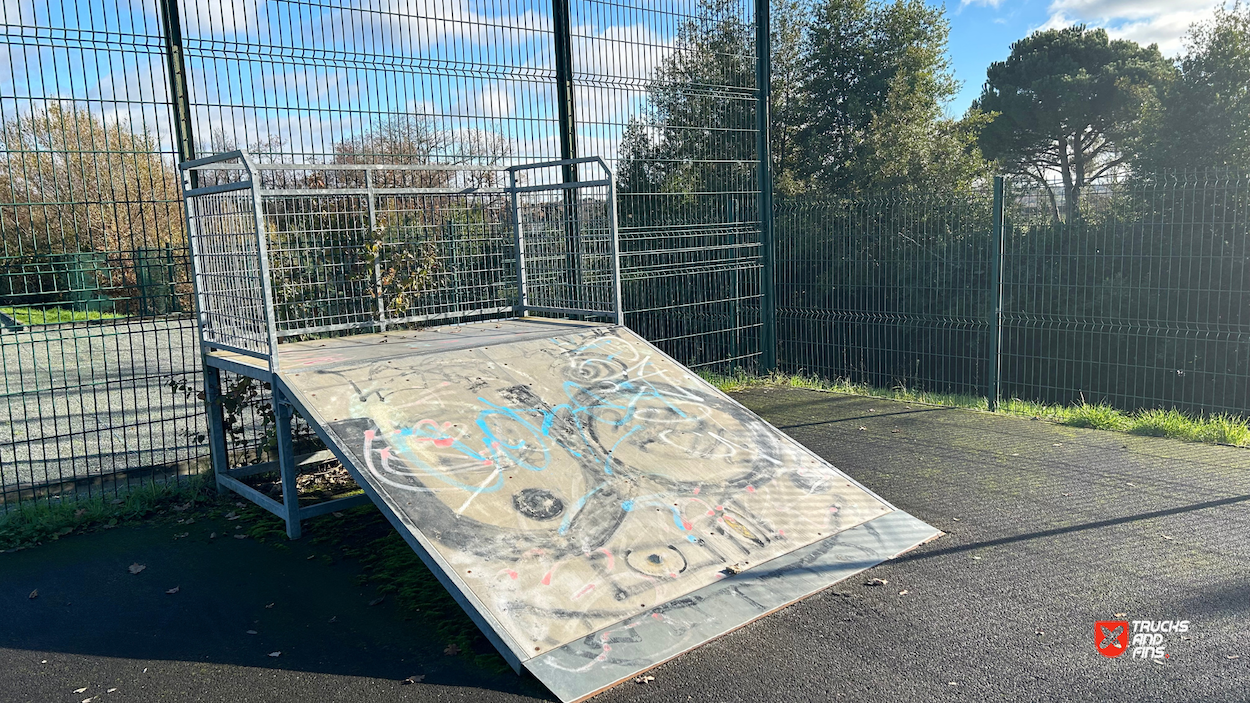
x=87, y=399
x=1050, y=529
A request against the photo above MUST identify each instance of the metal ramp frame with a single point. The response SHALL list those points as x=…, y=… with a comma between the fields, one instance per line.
x=645, y=512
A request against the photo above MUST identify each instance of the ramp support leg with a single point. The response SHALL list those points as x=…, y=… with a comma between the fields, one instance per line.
x=216, y=424
x=286, y=462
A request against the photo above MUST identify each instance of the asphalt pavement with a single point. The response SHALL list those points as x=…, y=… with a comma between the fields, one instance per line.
x=1049, y=529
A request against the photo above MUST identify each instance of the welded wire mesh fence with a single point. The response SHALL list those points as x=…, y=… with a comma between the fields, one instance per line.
x=1134, y=295
x=105, y=97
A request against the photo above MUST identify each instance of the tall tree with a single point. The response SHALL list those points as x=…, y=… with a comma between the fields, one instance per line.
x=696, y=136
x=877, y=79
x=1068, y=102
x=1204, y=120
x=72, y=181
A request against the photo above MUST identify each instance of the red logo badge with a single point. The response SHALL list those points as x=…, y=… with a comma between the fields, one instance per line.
x=1111, y=636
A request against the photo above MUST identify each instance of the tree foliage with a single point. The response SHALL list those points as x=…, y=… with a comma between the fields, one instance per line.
x=1069, y=101
x=1204, y=117
x=877, y=79
x=74, y=182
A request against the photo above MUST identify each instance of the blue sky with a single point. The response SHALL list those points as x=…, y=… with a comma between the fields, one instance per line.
x=982, y=30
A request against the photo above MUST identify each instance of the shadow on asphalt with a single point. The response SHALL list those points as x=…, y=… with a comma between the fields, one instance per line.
x=237, y=602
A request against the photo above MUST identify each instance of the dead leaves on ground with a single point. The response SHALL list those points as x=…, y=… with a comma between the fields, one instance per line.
x=452, y=650
x=416, y=678
x=136, y=568
x=173, y=590
x=34, y=594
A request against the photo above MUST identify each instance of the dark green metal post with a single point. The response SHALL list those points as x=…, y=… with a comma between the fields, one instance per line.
x=563, y=34
x=763, y=87
x=998, y=252
x=180, y=99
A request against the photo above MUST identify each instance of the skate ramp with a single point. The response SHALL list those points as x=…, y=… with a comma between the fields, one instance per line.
x=596, y=507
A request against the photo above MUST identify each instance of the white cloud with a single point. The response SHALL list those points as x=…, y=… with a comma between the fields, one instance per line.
x=1162, y=22
x=982, y=3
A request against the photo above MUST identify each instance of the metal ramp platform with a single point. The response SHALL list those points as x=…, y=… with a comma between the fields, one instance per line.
x=594, y=506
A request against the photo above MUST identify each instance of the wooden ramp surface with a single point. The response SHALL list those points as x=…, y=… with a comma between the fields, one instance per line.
x=595, y=506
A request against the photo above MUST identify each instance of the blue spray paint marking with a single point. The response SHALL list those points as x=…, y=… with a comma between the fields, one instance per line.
x=627, y=505
x=568, y=517
x=607, y=468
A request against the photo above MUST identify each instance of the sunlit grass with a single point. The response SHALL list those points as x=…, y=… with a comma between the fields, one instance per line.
x=1213, y=429
x=54, y=315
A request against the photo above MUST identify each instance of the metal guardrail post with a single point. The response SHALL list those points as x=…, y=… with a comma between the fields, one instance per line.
x=997, y=255
x=763, y=85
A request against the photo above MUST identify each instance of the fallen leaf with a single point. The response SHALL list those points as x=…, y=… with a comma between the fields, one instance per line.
x=275, y=654
x=875, y=582
x=1234, y=656
x=956, y=683
x=240, y=536
x=79, y=513
x=172, y=590
x=80, y=690
x=333, y=618
x=88, y=700
x=418, y=678
x=337, y=514
x=212, y=535
x=1120, y=615
x=1053, y=445
x=904, y=592
x=117, y=501
x=1166, y=536
x=34, y=594
x=955, y=519
x=451, y=650
x=862, y=428
x=376, y=601
x=136, y=568
x=977, y=558
x=180, y=535
x=251, y=632
x=269, y=606
x=231, y=516
x=110, y=690
x=644, y=679
x=311, y=557
x=1040, y=632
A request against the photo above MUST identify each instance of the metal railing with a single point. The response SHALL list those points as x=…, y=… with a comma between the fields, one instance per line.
x=283, y=251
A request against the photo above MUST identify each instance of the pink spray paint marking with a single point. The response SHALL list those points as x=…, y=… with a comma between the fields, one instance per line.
x=750, y=489
x=611, y=559
x=444, y=442
x=696, y=490
x=368, y=435
x=511, y=574
x=584, y=590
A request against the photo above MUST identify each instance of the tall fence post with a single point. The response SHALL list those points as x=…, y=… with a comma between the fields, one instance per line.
x=763, y=86
x=997, y=254
x=562, y=30
x=179, y=97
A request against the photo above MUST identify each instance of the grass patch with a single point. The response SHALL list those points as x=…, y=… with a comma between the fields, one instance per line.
x=1213, y=429
x=30, y=525
x=54, y=315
